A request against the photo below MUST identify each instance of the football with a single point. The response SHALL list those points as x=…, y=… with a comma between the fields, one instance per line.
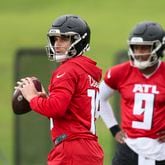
x=19, y=104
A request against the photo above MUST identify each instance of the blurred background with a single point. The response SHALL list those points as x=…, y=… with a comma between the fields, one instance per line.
x=24, y=24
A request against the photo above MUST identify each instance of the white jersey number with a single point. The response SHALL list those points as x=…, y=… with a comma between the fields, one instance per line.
x=143, y=105
x=95, y=100
x=94, y=107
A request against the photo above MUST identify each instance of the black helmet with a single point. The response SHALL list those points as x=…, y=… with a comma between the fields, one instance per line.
x=76, y=28
x=147, y=33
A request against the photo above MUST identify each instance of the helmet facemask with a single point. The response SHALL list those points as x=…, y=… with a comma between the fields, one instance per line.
x=153, y=56
x=75, y=40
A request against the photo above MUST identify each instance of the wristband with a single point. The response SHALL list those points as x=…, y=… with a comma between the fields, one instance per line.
x=114, y=130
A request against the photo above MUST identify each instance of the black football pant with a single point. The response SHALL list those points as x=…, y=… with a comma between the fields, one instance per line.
x=125, y=156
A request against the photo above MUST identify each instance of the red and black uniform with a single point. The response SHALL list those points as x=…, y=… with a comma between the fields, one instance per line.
x=71, y=105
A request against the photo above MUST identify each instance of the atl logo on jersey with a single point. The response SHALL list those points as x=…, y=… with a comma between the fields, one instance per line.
x=145, y=88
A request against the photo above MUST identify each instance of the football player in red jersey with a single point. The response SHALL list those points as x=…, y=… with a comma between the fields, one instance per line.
x=141, y=84
x=73, y=99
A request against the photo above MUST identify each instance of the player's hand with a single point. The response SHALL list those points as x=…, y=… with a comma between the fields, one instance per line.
x=28, y=89
x=161, y=136
x=43, y=93
x=120, y=136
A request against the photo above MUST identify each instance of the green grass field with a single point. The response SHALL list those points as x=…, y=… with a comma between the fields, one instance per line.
x=24, y=23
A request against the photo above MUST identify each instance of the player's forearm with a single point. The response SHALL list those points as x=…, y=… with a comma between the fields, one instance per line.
x=107, y=114
x=49, y=107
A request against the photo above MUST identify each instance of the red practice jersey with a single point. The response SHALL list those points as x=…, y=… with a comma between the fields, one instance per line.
x=142, y=99
x=73, y=98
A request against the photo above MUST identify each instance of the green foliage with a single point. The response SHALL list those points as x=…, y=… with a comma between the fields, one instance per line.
x=24, y=23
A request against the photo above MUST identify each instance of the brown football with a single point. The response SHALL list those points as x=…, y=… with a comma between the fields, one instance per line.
x=19, y=104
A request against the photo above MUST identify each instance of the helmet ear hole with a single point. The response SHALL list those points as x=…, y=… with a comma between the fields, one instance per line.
x=72, y=52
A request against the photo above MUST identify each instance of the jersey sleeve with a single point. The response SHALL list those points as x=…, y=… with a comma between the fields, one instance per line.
x=60, y=94
x=117, y=74
x=112, y=78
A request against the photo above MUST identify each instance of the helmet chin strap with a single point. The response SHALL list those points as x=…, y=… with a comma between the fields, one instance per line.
x=141, y=65
x=60, y=58
x=145, y=64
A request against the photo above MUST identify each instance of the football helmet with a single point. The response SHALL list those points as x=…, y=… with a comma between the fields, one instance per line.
x=146, y=33
x=68, y=26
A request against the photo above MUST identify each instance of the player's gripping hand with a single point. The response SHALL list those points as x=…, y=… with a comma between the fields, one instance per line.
x=26, y=89
x=30, y=87
x=161, y=136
